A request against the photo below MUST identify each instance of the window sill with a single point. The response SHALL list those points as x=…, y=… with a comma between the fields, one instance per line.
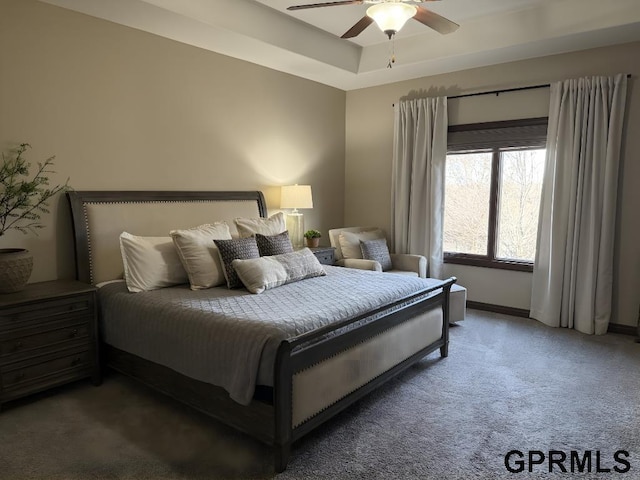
x=479, y=261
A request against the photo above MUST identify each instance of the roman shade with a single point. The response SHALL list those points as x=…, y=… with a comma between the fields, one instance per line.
x=530, y=132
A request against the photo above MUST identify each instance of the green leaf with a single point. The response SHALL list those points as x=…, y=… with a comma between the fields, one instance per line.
x=23, y=196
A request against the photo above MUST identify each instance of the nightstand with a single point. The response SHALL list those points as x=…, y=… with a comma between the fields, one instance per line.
x=325, y=255
x=48, y=337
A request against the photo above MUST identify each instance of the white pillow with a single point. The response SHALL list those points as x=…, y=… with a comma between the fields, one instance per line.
x=265, y=226
x=263, y=273
x=199, y=254
x=150, y=263
x=350, y=242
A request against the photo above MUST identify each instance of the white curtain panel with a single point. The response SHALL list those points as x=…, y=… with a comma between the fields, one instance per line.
x=573, y=270
x=417, y=188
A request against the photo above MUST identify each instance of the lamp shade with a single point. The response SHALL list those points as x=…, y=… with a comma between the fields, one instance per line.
x=391, y=16
x=296, y=196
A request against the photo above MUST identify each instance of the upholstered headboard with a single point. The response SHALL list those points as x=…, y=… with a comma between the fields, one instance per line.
x=99, y=217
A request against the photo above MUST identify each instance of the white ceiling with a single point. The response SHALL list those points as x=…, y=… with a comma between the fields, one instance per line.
x=306, y=43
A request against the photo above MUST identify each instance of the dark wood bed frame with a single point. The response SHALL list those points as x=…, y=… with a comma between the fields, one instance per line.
x=269, y=416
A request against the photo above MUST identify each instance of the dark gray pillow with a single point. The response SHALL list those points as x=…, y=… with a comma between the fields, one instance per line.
x=269, y=245
x=377, y=250
x=230, y=250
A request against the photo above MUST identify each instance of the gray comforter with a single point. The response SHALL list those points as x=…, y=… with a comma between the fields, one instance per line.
x=229, y=337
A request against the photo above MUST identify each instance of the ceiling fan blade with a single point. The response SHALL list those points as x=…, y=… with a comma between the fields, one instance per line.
x=433, y=20
x=358, y=28
x=327, y=4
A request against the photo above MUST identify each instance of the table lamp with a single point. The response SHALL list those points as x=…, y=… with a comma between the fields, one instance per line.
x=296, y=196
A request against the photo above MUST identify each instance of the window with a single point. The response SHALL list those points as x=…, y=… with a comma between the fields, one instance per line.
x=493, y=186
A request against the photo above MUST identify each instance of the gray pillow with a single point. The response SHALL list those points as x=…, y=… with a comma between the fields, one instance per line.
x=260, y=274
x=377, y=250
x=230, y=250
x=274, y=244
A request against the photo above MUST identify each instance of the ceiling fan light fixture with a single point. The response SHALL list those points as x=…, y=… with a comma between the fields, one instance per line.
x=391, y=16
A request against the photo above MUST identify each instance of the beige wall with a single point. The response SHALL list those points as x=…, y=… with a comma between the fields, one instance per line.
x=369, y=151
x=123, y=110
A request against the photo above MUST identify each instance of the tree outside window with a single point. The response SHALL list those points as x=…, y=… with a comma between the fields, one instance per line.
x=519, y=207
x=492, y=197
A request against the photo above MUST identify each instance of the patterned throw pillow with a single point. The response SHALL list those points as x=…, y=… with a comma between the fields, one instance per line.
x=274, y=244
x=377, y=250
x=260, y=274
x=230, y=250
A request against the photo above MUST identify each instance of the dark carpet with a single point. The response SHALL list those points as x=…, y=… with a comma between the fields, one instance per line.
x=508, y=384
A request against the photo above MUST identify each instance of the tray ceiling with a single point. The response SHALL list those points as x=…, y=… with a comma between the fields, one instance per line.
x=306, y=43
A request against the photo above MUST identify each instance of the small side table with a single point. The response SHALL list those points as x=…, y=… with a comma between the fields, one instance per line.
x=325, y=255
x=48, y=337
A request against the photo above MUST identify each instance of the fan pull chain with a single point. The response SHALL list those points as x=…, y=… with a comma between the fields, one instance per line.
x=392, y=52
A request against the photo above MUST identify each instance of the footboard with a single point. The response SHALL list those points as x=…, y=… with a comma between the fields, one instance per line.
x=316, y=379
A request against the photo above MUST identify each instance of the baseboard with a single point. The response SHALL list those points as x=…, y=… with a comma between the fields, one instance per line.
x=521, y=312
x=489, y=307
x=622, y=329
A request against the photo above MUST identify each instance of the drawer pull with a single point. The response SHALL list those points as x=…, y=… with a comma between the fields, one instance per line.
x=76, y=361
x=17, y=346
x=19, y=377
x=73, y=333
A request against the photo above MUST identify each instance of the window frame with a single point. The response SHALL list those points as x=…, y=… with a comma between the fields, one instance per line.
x=490, y=260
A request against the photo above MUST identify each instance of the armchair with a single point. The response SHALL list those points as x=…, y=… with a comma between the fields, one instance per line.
x=400, y=262
x=348, y=254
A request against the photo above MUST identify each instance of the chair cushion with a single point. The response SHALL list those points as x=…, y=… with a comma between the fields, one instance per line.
x=350, y=242
x=377, y=250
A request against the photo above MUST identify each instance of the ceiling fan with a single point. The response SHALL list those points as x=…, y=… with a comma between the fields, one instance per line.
x=390, y=16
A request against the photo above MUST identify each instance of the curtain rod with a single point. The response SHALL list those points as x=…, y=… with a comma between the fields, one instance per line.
x=505, y=90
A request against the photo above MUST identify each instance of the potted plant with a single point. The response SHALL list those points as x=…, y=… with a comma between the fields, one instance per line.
x=23, y=198
x=312, y=237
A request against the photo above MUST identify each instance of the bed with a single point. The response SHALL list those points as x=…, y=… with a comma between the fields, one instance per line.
x=280, y=363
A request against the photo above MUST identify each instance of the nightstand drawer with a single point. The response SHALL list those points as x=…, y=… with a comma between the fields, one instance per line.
x=18, y=377
x=32, y=340
x=326, y=258
x=48, y=337
x=47, y=311
x=325, y=255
